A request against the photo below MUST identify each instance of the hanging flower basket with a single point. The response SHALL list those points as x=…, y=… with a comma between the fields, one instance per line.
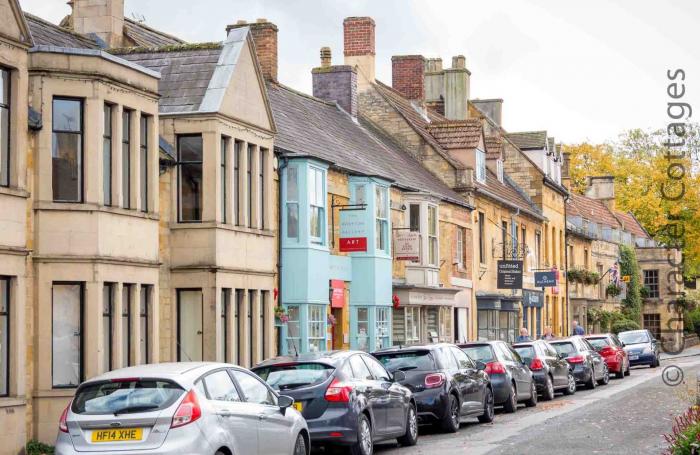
x=396, y=302
x=281, y=314
x=331, y=320
x=613, y=290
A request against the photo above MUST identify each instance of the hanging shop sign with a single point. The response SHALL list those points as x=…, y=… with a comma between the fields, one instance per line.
x=510, y=274
x=532, y=298
x=337, y=293
x=353, y=231
x=545, y=279
x=406, y=245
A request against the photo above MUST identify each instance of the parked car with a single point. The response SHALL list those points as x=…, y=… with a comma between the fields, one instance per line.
x=189, y=407
x=641, y=346
x=588, y=366
x=446, y=384
x=550, y=369
x=511, y=379
x=346, y=397
x=613, y=352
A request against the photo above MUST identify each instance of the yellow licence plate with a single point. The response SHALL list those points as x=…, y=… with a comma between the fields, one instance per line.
x=117, y=435
x=298, y=406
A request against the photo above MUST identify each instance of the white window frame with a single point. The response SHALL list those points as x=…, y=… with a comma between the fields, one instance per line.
x=382, y=333
x=499, y=170
x=316, y=321
x=381, y=214
x=294, y=340
x=412, y=313
x=480, y=166
x=459, y=247
x=433, y=236
x=316, y=189
x=292, y=202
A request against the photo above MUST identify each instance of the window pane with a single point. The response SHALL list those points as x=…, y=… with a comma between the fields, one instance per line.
x=317, y=328
x=144, y=305
x=320, y=195
x=4, y=87
x=107, y=156
x=292, y=184
x=360, y=194
x=143, y=164
x=414, y=215
x=67, y=167
x=190, y=192
x=126, y=325
x=316, y=222
x=220, y=387
x=362, y=328
x=4, y=334
x=292, y=221
x=67, y=115
x=293, y=329
x=253, y=389
x=190, y=148
x=4, y=146
x=66, y=335
x=126, y=160
x=432, y=220
x=224, y=171
x=107, y=311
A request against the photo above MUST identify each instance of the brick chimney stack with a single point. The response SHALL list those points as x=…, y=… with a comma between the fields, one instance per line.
x=335, y=83
x=101, y=18
x=408, y=76
x=359, y=48
x=264, y=35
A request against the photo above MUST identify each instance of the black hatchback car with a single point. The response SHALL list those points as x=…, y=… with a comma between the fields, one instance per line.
x=511, y=379
x=589, y=367
x=346, y=397
x=446, y=384
x=550, y=369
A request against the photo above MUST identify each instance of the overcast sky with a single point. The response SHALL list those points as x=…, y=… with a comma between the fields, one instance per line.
x=581, y=70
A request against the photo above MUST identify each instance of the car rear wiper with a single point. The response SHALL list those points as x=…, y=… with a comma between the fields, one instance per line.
x=131, y=409
x=294, y=385
x=407, y=368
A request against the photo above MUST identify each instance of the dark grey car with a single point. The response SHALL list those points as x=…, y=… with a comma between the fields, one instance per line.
x=550, y=369
x=589, y=367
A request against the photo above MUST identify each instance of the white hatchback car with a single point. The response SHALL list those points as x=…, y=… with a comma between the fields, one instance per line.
x=183, y=408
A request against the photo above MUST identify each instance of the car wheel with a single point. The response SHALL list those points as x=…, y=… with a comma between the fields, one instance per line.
x=532, y=401
x=487, y=416
x=655, y=362
x=364, y=445
x=621, y=374
x=606, y=376
x=411, y=436
x=450, y=421
x=627, y=371
x=570, y=385
x=548, y=389
x=299, y=445
x=511, y=403
x=592, y=383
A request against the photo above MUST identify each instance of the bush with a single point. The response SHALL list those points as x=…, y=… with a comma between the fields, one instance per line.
x=39, y=448
x=685, y=433
x=691, y=320
x=623, y=325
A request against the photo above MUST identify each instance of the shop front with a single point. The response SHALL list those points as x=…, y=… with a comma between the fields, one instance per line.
x=497, y=317
x=423, y=315
x=533, y=302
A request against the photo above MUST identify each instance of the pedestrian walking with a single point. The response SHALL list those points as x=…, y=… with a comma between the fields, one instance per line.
x=524, y=336
x=547, y=335
x=577, y=329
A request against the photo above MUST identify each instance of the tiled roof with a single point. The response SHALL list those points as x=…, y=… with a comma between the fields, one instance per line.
x=529, y=140
x=452, y=134
x=145, y=36
x=631, y=224
x=307, y=126
x=494, y=146
x=185, y=74
x=45, y=33
x=592, y=210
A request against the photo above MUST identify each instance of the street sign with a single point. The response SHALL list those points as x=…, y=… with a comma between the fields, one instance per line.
x=510, y=274
x=406, y=245
x=353, y=231
x=545, y=279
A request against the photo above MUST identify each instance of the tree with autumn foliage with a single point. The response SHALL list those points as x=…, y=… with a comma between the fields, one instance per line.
x=659, y=184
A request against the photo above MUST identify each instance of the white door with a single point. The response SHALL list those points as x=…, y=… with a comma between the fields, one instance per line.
x=189, y=337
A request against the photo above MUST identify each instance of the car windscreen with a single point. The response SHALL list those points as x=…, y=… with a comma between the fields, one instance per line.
x=407, y=361
x=565, y=348
x=482, y=353
x=126, y=396
x=633, y=337
x=526, y=352
x=294, y=375
x=599, y=343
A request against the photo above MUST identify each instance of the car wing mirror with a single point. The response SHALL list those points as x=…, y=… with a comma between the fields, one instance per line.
x=622, y=344
x=561, y=356
x=399, y=376
x=285, y=402
x=481, y=366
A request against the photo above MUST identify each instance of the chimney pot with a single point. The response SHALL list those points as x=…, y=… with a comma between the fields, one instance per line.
x=241, y=22
x=325, y=57
x=261, y=20
x=459, y=62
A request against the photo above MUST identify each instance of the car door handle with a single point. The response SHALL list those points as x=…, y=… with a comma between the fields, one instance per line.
x=262, y=416
x=225, y=413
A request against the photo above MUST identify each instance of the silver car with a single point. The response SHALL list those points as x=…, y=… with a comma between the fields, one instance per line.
x=183, y=408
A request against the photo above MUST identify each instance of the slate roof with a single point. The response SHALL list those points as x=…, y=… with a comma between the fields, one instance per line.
x=591, y=209
x=529, y=140
x=307, y=126
x=145, y=36
x=452, y=134
x=45, y=33
x=630, y=224
x=185, y=74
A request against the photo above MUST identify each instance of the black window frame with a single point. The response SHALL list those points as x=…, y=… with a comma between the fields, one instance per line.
x=144, y=316
x=108, y=196
x=8, y=106
x=5, y=286
x=236, y=184
x=249, y=183
x=143, y=161
x=252, y=293
x=126, y=142
x=110, y=325
x=127, y=314
x=181, y=163
x=81, y=354
x=482, y=238
x=651, y=282
x=81, y=133
x=225, y=308
x=223, y=179
x=262, y=162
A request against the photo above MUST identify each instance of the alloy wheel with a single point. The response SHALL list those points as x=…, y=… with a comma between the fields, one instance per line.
x=412, y=422
x=300, y=446
x=454, y=412
x=365, y=437
x=572, y=384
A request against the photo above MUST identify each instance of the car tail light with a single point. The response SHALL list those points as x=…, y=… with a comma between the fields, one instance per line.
x=338, y=392
x=188, y=411
x=575, y=359
x=62, y=422
x=536, y=364
x=607, y=351
x=495, y=368
x=434, y=380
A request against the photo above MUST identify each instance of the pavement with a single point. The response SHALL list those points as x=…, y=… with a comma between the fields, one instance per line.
x=628, y=416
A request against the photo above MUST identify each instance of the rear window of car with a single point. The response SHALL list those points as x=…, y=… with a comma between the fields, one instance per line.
x=526, y=352
x=564, y=348
x=633, y=337
x=294, y=376
x=483, y=353
x=599, y=343
x=405, y=361
x=125, y=397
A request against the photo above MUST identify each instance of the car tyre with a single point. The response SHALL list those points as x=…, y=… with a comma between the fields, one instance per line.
x=592, y=383
x=411, y=436
x=511, y=403
x=364, y=444
x=570, y=385
x=621, y=374
x=627, y=371
x=655, y=362
x=532, y=401
x=548, y=393
x=450, y=421
x=299, y=445
x=606, y=376
x=487, y=416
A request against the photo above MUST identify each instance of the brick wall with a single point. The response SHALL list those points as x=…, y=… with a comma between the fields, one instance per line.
x=264, y=35
x=358, y=36
x=408, y=75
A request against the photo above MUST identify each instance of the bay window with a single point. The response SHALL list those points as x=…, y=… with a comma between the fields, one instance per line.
x=126, y=159
x=433, y=251
x=67, y=150
x=4, y=129
x=189, y=178
x=143, y=163
x=4, y=336
x=317, y=203
x=317, y=328
x=292, y=203
x=382, y=218
x=480, y=166
x=107, y=156
x=66, y=334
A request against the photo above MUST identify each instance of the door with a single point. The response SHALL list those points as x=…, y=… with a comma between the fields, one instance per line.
x=520, y=373
x=394, y=396
x=239, y=419
x=377, y=399
x=558, y=367
x=274, y=428
x=470, y=382
x=189, y=329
